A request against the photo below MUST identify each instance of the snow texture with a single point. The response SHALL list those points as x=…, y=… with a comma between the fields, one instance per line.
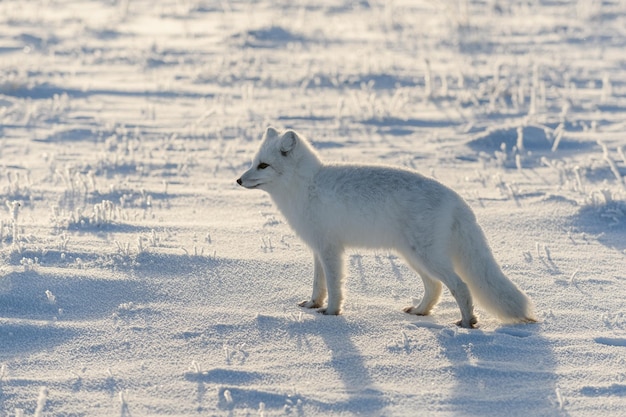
x=138, y=279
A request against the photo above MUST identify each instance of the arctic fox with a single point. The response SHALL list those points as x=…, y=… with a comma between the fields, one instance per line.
x=334, y=206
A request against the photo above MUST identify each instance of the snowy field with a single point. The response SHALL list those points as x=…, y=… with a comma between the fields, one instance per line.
x=138, y=279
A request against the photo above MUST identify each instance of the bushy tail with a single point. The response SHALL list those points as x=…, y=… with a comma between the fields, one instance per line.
x=475, y=263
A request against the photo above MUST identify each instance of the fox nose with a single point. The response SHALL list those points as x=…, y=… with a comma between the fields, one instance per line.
x=239, y=181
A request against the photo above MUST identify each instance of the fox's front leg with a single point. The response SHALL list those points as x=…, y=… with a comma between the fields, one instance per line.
x=319, y=286
x=331, y=260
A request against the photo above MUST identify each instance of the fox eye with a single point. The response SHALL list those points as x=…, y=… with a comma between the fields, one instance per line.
x=262, y=165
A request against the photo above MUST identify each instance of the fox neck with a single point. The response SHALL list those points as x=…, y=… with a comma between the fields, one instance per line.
x=292, y=197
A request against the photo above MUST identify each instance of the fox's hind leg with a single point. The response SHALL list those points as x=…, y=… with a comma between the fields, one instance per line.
x=319, y=286
x=432, y=292
x=441, y=270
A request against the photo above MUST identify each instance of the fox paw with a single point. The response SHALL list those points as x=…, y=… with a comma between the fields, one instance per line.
x=416, y=311
x=473, y=323
x=309, y=304
x=329, y=312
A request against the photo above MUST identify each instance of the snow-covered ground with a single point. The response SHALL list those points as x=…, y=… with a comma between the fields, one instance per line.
x=138, y=279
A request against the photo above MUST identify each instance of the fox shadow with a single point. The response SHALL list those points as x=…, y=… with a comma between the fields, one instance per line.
x=509, y=371
x=363, y=397
x=346, y=359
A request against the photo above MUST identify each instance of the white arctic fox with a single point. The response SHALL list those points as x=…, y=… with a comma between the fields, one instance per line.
x=334, y=206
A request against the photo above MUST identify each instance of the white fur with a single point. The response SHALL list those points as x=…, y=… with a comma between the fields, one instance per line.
x=333, y=206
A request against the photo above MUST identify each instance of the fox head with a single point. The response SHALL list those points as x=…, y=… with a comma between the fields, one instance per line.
x=281, y=158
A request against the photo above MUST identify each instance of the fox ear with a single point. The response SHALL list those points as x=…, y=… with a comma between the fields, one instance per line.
x=288, y=142
x=271, y=132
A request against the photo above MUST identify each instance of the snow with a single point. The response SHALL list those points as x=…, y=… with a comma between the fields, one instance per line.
x=138, y=279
